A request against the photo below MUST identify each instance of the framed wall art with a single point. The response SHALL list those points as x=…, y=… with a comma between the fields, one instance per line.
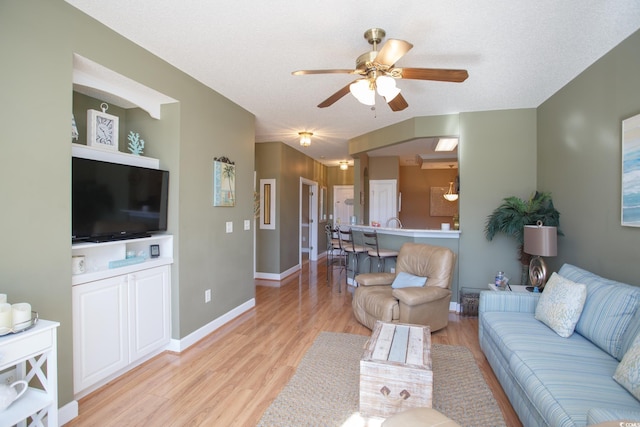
x=102, y=129
x=224, y=182
x=631, y=172
x=268, y=204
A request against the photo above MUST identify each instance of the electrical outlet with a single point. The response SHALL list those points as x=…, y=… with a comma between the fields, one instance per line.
x=8, y=377
x=207, y=295
x=392, y=270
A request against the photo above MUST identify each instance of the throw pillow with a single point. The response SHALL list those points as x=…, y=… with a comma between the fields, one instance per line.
x=627, y=373
x=561, y=304
x=406, y=280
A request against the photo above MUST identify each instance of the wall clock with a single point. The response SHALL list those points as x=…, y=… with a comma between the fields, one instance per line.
x=102, y=129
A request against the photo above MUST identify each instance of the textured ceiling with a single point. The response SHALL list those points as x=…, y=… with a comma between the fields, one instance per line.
x=517, y=53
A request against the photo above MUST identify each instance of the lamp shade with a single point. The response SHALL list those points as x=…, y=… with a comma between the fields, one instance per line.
x=540, y=240
x=386, y=87
x=363, y=92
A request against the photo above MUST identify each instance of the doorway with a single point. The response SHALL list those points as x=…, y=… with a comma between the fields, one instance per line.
x=308, y=220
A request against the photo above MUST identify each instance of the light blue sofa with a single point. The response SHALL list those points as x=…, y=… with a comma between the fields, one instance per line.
x=555, y=381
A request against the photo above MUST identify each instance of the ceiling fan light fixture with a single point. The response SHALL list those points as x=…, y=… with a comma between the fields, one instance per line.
x=305, y=138
x=363, y=92
x=387, y=87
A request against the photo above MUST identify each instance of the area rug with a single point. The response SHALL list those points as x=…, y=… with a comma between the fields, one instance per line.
x=324, y=389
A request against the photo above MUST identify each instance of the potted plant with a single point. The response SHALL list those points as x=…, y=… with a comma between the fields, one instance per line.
x=514, y=213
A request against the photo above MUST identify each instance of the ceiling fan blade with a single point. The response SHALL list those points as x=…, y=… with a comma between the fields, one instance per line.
x=438, y=74
x=336, y=96
x=398, y=103
x=392, y=51
x=304, y=72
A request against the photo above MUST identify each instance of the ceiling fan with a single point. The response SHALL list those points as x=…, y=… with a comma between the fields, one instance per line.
x=378, y=72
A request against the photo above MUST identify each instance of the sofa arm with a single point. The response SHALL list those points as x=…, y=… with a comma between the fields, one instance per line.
x=417, y=296
x=623, y=417
x=523, y=302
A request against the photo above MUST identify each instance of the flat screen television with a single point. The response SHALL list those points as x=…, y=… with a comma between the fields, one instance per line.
x=111, y=201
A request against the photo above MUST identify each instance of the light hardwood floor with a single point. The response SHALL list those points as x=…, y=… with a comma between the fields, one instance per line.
x=230, y=377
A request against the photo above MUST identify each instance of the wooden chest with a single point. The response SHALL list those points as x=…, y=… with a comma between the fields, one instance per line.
x=395, y=370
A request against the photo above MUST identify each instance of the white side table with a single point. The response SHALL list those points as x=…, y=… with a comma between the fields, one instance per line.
x=29, y=352
x=514, y=288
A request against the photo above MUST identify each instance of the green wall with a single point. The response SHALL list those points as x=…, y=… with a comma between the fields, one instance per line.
x=579, y=160
x=497, y=159
x=37, y=42
x=277, y=250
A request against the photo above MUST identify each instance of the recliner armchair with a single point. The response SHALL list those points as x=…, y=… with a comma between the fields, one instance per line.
x=375, y=299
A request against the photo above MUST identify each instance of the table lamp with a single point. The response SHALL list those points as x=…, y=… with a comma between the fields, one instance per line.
x=539, y=241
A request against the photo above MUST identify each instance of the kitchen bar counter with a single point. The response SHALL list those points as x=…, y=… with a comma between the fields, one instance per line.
x=409, y=232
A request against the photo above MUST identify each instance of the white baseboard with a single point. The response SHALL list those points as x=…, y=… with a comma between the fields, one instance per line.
x=67, y=412
x=178, y=346
x=276, y=276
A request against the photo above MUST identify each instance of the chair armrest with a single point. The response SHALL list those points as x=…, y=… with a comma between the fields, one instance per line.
x=421, y=295
x=375, y=279
x=523, y=302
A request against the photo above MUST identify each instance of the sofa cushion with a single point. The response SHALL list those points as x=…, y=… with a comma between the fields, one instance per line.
x=607, y=311
x=603, y=416
x=564, y=387
x=560, y=304
x=627, y=373
x=407, y=280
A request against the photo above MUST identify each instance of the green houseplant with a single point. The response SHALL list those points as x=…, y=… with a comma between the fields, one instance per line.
x=514, y=213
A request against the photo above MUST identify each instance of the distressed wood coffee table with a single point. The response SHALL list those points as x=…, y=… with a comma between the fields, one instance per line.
x=395, y=369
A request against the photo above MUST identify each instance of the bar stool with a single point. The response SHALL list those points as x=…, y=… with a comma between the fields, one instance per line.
x=351, y=250
x=333, y=245
x=375, y=251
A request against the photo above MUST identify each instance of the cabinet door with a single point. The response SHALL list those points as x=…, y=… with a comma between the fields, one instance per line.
x=100, y=330
x=149, y=311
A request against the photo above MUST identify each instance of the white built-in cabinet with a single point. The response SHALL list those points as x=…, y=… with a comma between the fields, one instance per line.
x=121, y=314
x=118, y=322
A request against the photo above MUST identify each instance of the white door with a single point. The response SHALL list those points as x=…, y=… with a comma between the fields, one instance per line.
x=383, y=200
x=342, y=204
x=309, y=220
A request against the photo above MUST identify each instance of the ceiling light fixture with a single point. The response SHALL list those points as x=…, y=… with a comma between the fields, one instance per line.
x=450, y=195
x=344, y=166
x=305, y=138
x=447, y=144
x=364, y=90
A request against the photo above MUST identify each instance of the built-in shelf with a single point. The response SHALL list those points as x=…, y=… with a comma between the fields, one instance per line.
x=99, y=255
x=86, y=152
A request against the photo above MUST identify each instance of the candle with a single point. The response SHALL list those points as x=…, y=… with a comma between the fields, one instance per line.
x=3, y=298
x=21, y=313
x=5, y=318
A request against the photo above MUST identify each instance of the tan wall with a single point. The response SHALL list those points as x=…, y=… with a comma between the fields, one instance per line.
x=415, y=187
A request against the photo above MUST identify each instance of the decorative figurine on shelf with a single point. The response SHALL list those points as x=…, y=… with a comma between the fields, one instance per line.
x=136, y=145
x=74, y=128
